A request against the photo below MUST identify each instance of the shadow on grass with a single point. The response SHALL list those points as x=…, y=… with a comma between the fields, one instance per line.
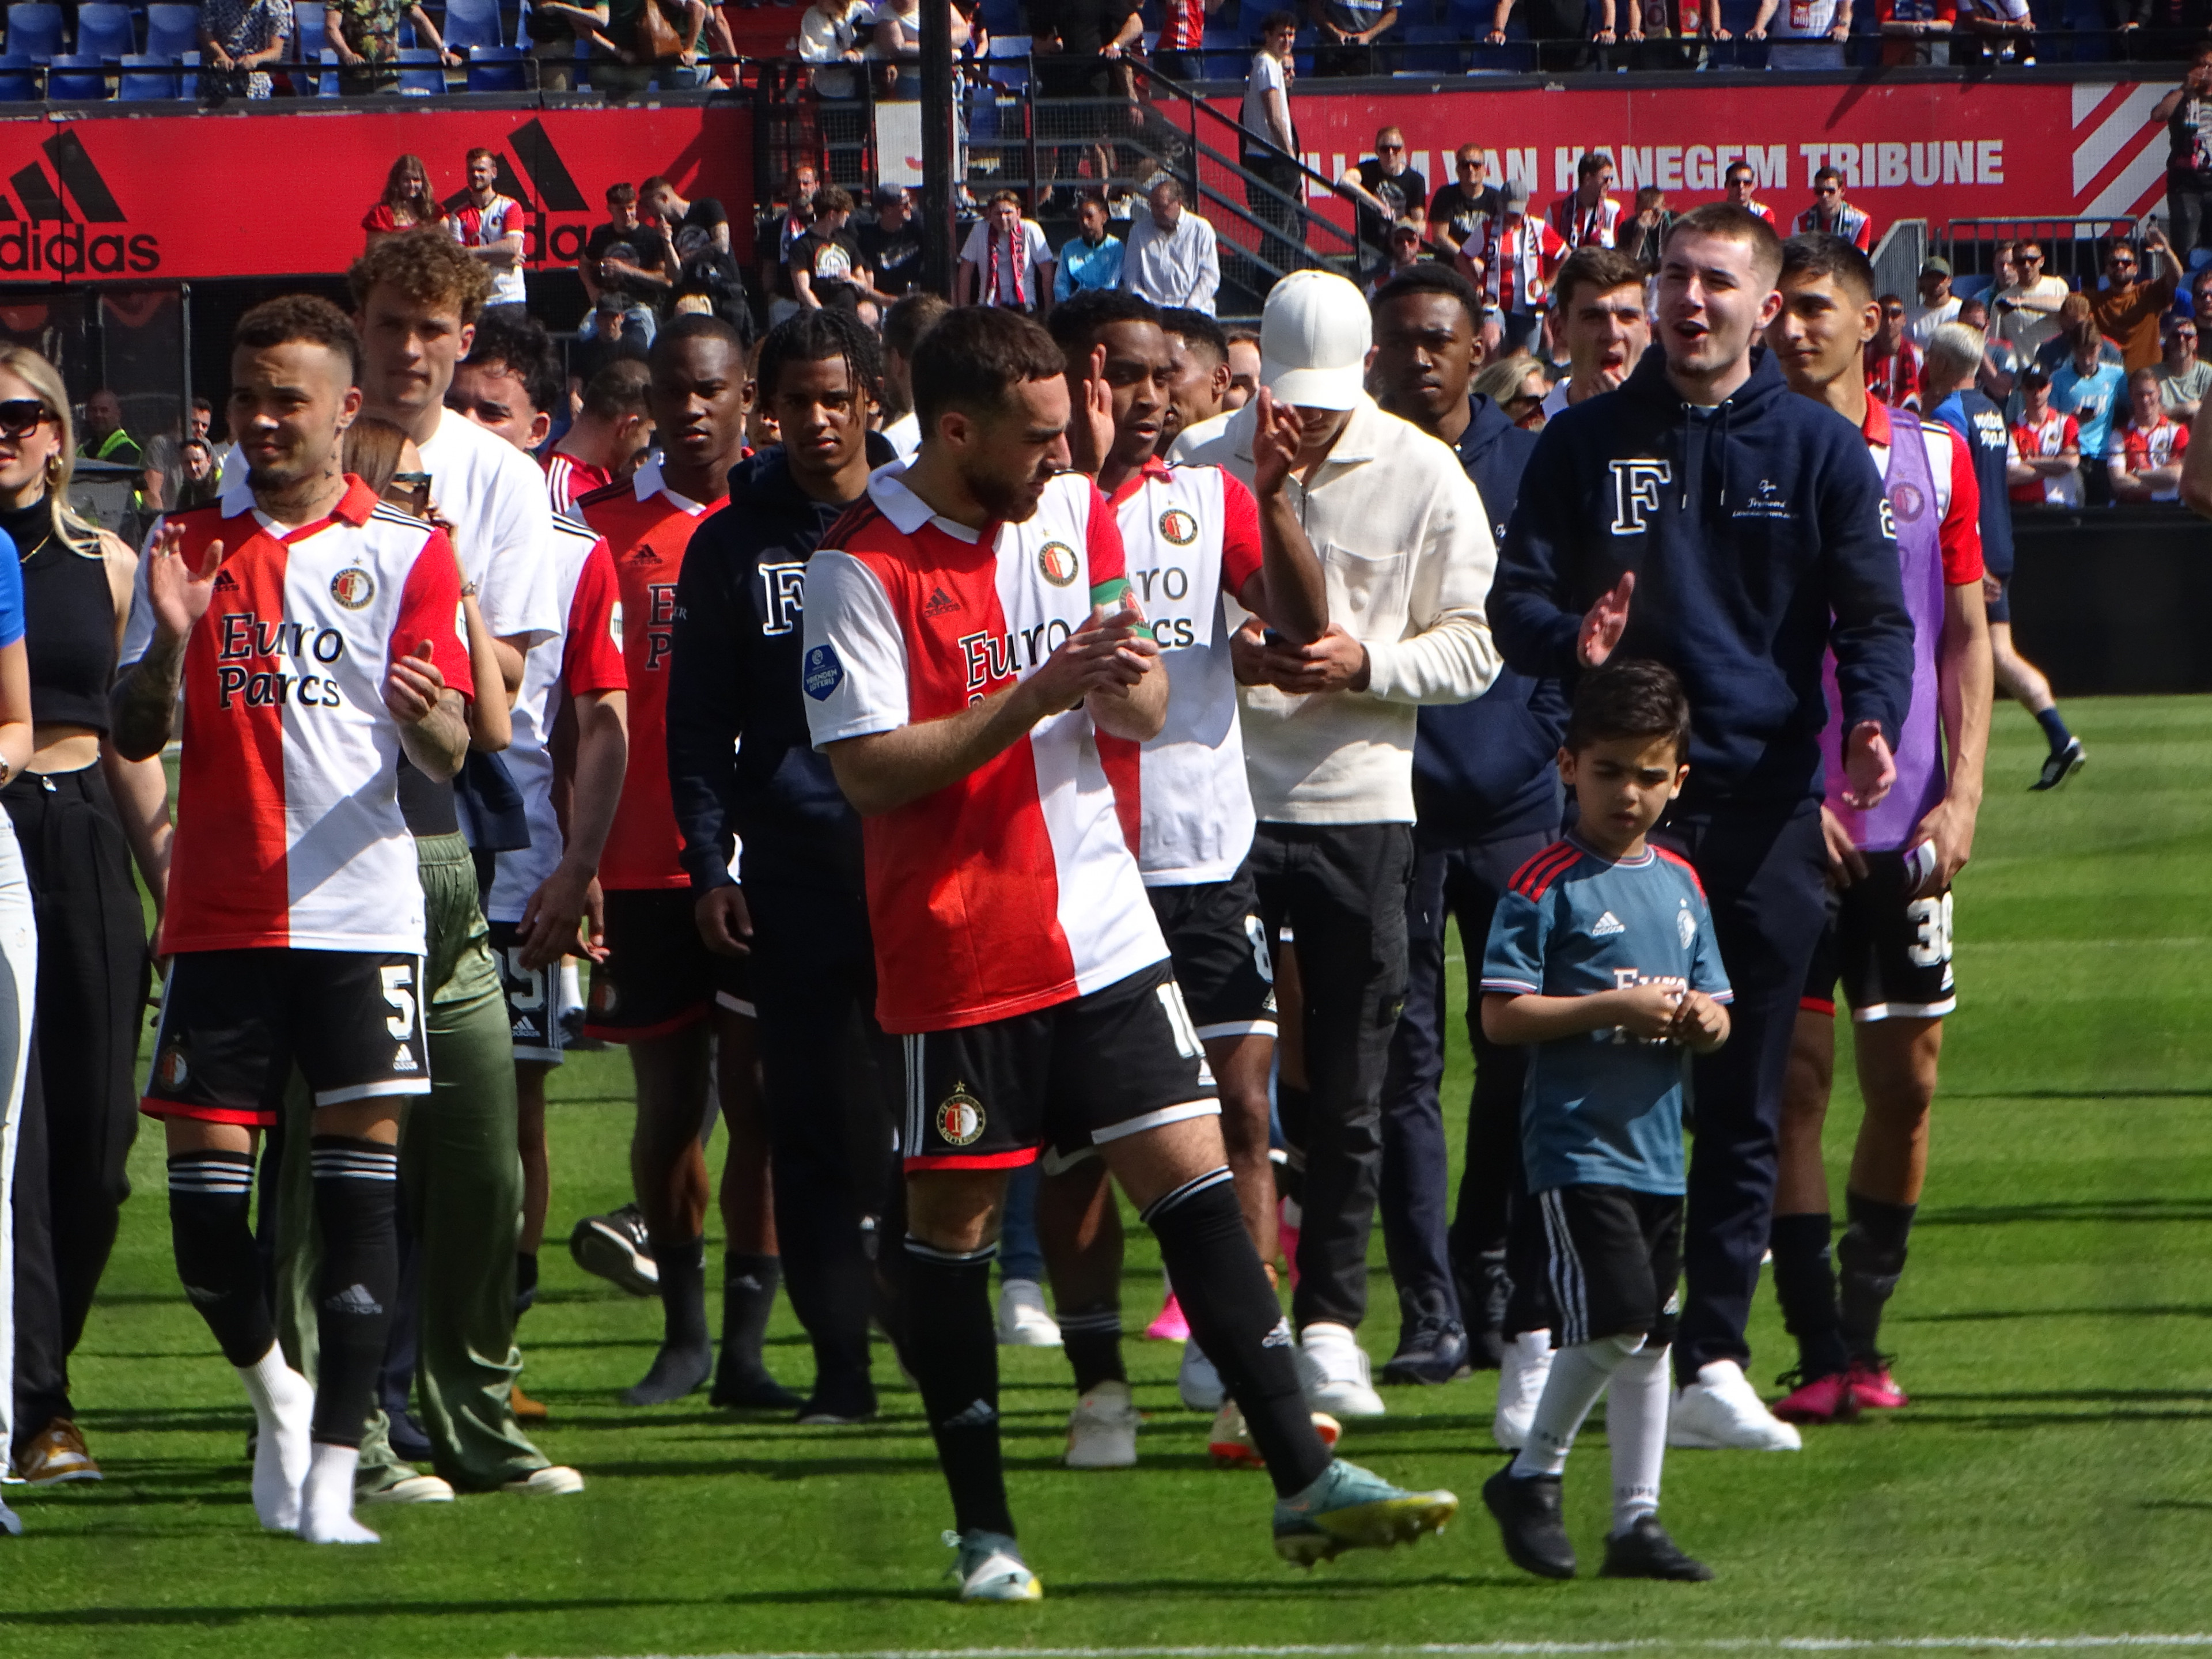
x=1336, y=1587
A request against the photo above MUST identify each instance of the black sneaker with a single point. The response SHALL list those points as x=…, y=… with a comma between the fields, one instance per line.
x=1527, y=1511
x=2062, y=764
x=838, y=1405
x=1644, y=1551
x=617, y=1247
x=1429, y=1353
x=751, y=1389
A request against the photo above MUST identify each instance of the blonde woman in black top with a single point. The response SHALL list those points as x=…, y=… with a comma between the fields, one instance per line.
x=83, y=815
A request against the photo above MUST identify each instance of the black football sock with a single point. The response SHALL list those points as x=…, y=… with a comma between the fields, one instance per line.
x=748, y=1287
x=356, y=1207
x=952, y=1346
x=687, y=1355
x=1092, y=1337
x=2054, y=729
x=1871, y=1254
x=526, y=1281
x=1805, y=1282
x=209, y=1194
x=1235, y=1320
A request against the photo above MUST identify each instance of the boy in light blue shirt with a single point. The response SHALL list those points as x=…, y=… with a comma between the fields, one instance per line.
x=1602, y=959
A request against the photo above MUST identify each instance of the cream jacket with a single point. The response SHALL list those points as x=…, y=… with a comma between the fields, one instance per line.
x=1404, y=543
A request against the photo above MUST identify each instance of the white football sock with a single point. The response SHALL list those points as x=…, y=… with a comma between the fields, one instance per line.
x=572, y=985
x=1636, y=1427
x=1579, y=1376
x=327, y=1500
x=283, y=1406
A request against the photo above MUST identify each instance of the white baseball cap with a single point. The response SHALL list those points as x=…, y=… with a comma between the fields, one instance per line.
x=1314, y=335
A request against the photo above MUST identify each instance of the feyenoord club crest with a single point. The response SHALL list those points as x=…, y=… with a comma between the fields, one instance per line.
x=353, y=588
x=172, y=1067
x=1909, y=502
x=959, y=1117
x=1178, y=527
x=1058, y=563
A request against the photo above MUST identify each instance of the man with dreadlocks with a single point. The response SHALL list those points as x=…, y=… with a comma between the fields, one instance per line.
x=801, y=914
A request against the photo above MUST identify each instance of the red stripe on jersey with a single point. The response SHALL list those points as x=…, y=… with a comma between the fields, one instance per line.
x=429, y=605
x=1960, y=537
x=1123, y=759
x=648, y=539
x=1680, y=862
x=591, y=650
x=1532, y=877
x=1013, y=1160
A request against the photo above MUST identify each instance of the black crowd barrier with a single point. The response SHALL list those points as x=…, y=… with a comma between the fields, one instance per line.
x=2114, y=602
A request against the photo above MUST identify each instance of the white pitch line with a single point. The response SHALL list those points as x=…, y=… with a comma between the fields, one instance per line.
x=1503, y=1650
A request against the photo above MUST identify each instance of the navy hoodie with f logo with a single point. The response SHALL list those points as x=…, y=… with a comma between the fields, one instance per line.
x=1760, y=535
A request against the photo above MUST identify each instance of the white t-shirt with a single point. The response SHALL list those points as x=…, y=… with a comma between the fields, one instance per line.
x=493, y=495
x=1014, y=281
x=1267, y=76
x=1926, y=320
x=1802, y=20
x=904, y=435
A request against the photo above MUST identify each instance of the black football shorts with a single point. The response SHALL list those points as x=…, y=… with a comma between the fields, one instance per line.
x=659, y=976
x=1613, y=1257
x=1219, y=949
x=1123, y=1059
x=1891, y=952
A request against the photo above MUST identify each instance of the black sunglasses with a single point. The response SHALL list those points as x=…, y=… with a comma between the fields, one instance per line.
x=20, y=416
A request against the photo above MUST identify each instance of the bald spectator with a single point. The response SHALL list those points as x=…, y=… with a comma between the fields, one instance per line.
x=1172, y=257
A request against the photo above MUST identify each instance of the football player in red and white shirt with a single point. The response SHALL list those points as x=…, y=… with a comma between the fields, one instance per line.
x=971, y=638
x=1738, y=183
x=658, y=988
x=316, y=636
x=1590, y=215
x=1831, y=215
x=1192, y=536
x=612, y=430
x=2146, y=451
x=540, y=894
x=1891, y=360
x=2049, y=472
x=1892, y=863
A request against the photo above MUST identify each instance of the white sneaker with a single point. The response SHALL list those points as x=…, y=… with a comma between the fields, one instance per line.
x=1197, y=1382
x=413, y=1489
x=1102, y=1430
x=1521, y=1374
x=1722, y=1412
x=554, y=1481
x=1023, y=1321
x=1334, y=1373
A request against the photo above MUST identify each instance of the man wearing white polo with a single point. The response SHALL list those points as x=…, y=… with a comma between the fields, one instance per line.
x=1405, y=545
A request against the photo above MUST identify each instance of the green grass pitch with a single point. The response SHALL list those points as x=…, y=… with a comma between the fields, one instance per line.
x=2052, y=1478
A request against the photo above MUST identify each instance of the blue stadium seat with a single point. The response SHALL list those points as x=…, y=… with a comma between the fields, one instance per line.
x=77, y=80
x=34, y=31
x=173, y=29
x=309, y=47
x=2198, y=258
x=138, y=82
x=1433, y=49
x=1974, y=285
x=104, y=30
x=497, y=69
x=470, y=23
x=19, y=80
x=326, y=83
x=1004, y=17
x=420, y=74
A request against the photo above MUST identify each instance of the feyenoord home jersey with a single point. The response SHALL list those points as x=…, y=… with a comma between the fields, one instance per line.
x=588, y=656
x=647, y=526
x=568, y=480
x=1012, y=888
x=1189, y=534
x=288, y=830
x=2052, y=436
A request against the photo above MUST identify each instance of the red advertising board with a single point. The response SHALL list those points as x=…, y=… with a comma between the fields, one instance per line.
x=1907, y=150
x=159, y=197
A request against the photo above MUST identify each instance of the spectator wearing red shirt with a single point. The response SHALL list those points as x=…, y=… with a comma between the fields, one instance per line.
x=2145, y=452
x=1512, y=259
x=1893, y=362
x=1182, y=37
x=408, y=201
x=1589, y=215
x=1739, y=182
x=1832, y=215
x=1916, y=31
x=2049, y=471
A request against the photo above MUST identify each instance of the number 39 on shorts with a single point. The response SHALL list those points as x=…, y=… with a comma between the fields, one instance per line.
x=1930, y=918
